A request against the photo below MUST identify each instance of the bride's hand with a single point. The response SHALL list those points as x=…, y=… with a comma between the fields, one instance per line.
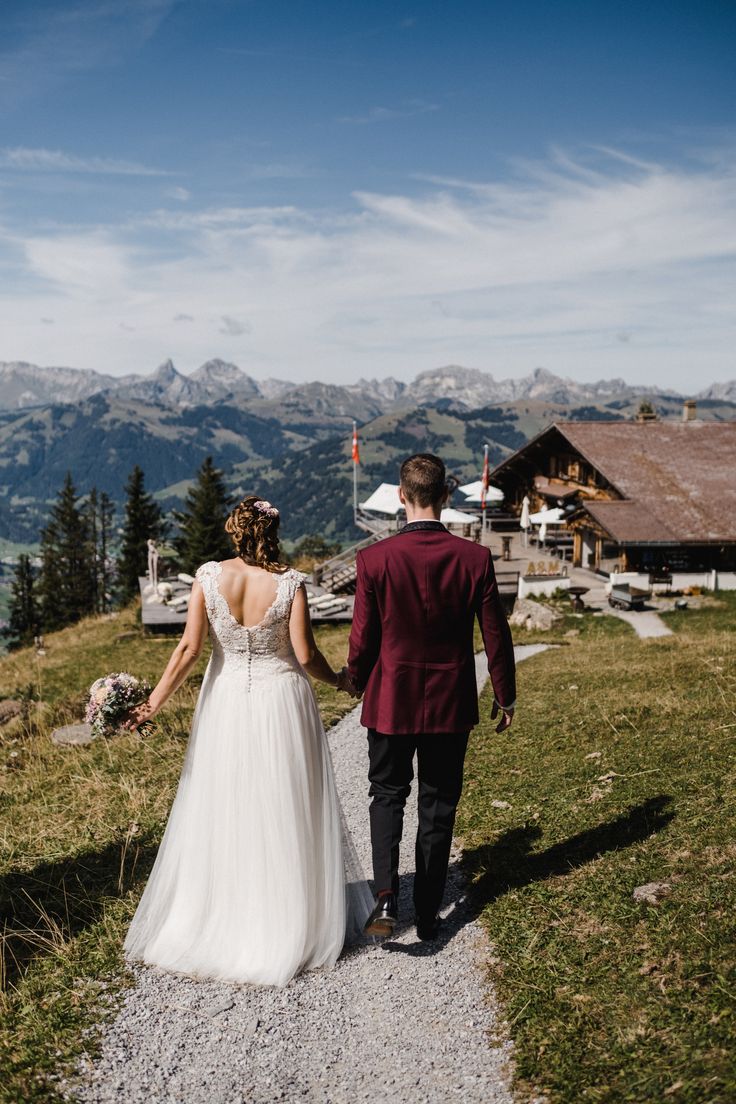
x=344, y=682
x=139, y=716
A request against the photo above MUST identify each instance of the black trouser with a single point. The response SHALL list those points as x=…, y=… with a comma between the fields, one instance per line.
x=440, y=758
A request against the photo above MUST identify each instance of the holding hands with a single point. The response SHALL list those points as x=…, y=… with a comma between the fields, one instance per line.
x=344, y=682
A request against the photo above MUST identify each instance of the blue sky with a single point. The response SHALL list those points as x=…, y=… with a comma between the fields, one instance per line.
x=323, y=190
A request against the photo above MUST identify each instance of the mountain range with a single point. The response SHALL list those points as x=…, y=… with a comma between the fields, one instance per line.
x=288, y=442
x=23, y=385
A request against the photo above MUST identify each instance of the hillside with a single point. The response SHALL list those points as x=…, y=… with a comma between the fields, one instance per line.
x=81, y=829
x=289, y=442
x=558, y=825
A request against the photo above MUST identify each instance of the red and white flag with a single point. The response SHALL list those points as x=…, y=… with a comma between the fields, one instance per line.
x=356, y=451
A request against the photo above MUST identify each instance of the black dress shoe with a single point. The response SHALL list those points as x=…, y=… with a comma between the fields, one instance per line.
x=428, y=928
x=382, y=920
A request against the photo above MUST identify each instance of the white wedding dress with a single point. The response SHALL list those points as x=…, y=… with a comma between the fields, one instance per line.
x=255, y=879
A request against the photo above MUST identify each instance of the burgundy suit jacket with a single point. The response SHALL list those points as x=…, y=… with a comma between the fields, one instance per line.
x=411, y=644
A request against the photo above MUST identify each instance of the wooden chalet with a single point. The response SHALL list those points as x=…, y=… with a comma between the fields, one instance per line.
x=639, y=496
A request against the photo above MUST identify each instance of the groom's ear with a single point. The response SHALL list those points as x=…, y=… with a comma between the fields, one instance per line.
x=402, y=496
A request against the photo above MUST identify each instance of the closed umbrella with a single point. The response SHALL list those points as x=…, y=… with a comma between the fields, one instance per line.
x=524, y=523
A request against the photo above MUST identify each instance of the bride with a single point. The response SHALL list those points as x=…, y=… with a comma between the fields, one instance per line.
x=249, y=883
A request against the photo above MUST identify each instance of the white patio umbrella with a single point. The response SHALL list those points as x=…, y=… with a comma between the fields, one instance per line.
x=554, y=516
x=450, y=516
x=543, y=532
x=472, y=492
x=384, y=500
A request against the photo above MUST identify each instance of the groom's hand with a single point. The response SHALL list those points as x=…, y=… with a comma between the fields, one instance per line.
x=507, y=716
x=344, y=682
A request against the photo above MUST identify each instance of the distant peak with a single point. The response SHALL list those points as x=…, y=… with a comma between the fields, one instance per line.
x=217, y=367
x=166, y=370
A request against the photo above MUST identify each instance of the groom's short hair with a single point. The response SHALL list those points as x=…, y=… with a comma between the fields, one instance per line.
x=423, y=479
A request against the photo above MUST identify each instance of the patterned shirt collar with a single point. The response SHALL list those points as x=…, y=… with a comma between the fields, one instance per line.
x=414, y=525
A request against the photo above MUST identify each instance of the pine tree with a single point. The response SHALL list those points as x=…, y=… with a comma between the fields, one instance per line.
x=105, y=561
x=201, y=523
x=23, y=620
x=142, y=522
x=92, y=519
x=99, y=513
x=65, y=584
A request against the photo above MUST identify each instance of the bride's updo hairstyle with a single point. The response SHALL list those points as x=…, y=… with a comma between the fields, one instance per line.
x=254, y=529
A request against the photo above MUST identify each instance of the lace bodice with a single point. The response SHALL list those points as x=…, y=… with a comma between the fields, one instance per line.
x=257, y=653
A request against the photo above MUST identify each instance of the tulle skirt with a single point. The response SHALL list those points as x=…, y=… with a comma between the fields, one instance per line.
x=249, y=884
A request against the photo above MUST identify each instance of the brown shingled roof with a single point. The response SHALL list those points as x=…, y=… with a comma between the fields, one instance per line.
x=631, y=522
x=679, y=478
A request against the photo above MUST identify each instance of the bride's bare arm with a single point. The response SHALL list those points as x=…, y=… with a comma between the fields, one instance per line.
x=303, y=642
x=183, y=658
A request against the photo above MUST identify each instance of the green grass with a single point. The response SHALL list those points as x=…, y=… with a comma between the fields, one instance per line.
x=80, y=829
x=607, y=999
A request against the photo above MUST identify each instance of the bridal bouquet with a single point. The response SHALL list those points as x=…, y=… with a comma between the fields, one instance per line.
x=110, y=700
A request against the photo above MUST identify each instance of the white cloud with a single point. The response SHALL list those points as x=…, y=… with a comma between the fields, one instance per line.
x=55, y=41
x=233, y=327
x=45, y=160
x=277, y=170
x=80, y=265
x=551, y=268
x=177, y=192
x=381, y=114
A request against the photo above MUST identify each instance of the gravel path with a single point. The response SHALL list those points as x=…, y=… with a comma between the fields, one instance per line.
x=411, y=1021
x=645, y=623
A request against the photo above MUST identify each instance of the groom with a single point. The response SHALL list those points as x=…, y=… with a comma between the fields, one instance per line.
x=411, y=654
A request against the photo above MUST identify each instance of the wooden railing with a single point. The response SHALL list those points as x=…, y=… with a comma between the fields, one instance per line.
x=338, y=572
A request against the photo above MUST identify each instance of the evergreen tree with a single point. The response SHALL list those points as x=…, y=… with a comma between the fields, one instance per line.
x=65, y=584
x=92, y=519
x=105, y=560
x=314, y=547
x=99, y=513
x=201, y=523
x=23, y=618
x=142, y=522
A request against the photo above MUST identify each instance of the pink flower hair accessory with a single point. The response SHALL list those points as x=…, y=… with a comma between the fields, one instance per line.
x=265, y=507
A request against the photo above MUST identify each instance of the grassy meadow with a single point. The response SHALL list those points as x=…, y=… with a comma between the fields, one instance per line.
x=79, y=832
x=618, y=771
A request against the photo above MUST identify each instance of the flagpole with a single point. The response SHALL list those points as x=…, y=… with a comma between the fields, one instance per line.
x=484, y=491
x=355, y=473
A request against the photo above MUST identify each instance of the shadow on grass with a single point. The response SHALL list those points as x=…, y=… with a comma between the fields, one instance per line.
x=43, y=908
x=509, y=863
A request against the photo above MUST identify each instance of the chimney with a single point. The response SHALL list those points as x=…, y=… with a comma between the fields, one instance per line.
x=689, y=410
x=646, y=412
